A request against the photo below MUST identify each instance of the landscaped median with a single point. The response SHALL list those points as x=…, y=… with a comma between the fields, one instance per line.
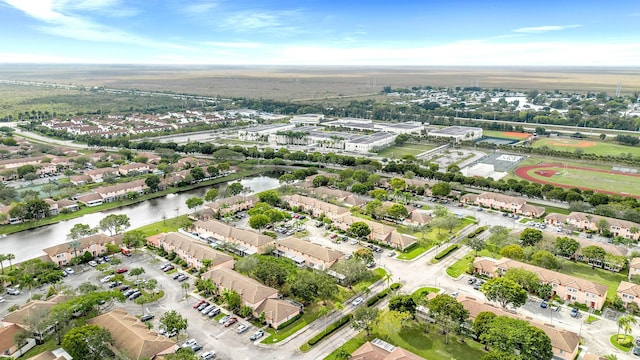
x=442, y=254
x=346, y=319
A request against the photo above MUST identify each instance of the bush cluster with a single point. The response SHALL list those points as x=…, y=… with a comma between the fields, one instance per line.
x=477, y=232
x=330, y=329
x=446, y=251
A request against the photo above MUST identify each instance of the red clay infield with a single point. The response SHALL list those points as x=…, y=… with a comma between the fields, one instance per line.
x=516, y=135
x=523, y=172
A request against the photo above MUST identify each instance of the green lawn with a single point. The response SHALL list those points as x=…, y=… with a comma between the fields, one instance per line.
x=275, y=336
x=587, y=146
x=350, y=346
x=169, y=225
x=397, y=152
x=605, y=277
x=431, y=238
x=583, y=178
x=431, y=345
x=459, y=267
x=624, y=339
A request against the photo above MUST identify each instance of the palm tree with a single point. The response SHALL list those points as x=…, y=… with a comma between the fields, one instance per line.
x=342, y=354
x=625, y=322
x=609, y=357
x=3, y=257
x=387, y=278
x=9, y=257
x=75, y=245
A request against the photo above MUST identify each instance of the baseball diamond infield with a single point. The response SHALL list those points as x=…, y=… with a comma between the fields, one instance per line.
x=583, y=178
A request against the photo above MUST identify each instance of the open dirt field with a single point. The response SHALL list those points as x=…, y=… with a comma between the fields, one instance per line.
x=586, y=146
x=317, y=83
x=610, y=182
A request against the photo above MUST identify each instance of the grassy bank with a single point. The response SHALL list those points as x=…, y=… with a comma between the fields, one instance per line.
x=10, y=229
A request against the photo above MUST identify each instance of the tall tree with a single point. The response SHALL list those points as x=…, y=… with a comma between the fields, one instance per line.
x=359, y=229
x=172, y=320
x=88, y=342
x=517, y=338
x=566, y=246
x=505, y=292
x=211, y=194
x=114, y=223
x=134, y=239
x=391, y=322
x=448, y=314
x=79, y=231
x=364, y=318
x=530, y=237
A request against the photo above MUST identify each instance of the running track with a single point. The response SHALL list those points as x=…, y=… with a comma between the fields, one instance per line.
x=523, y=172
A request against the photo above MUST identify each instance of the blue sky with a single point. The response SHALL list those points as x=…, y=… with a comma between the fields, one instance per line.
x=316, y=32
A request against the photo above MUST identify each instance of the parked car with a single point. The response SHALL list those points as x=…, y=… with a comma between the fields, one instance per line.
x=13, y=291
x=242, y=328
x=69, y=271
x=371, y=265
x=257, y=335
x=637, y=340
x=122, y=270
x=165, y=266
x=214, y=312
x=92, y=263
x=636, y=350
x=357, y=301
x=206, y=310
x=575, y=313
x=196, y=347
x=209, y=355
x=168, y=268
x=333, y=236
x=135, y=295
x=176, y=276
x=128, y=292
x=146, y=318
x=391, y=254
x=124, y=288
x=471, y=281
x=183, y=278
x=202, y=306
x=354, y=242
x=198, y=304
x=189, y=343
x=544, y=304
x=1, y=299
x=106, y=279
x=224, y=319
x=230, y=322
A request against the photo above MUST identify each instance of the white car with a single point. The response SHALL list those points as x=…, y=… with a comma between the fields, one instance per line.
x=354, y=242
x=242, y=328
x=208, y=355
x=69, y=271
x=106, y=279
x=189, y=343
x=357, y=301
x=1, y=299
x=92, y=263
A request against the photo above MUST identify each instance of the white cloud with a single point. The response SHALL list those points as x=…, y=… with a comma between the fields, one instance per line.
x=200, y=8
x=60, y=19
x=540, y=29
x=272, y=21
x=237, y=45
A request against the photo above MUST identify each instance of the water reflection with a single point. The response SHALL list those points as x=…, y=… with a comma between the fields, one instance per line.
x=29, y=244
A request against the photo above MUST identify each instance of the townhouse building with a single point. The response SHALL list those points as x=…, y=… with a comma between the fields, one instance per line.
x=119, y=191
x=307, y=253
x=137, y=168
x=132, y=338
x=634, y=267
x=564, y=344
x=261, y=298
x=502, y=202
x=315, y=207
x=96, y=244
x=193, y=252
x=584, y=221
x=629, y=293
x=232, y=205
x=245, y=242
x=566, y=287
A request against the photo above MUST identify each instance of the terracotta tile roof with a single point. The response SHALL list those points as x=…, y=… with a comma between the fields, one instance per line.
x=85, y=243
x=250, y=290
x=560, y=338
x=635, y=262
x=7, y=336
x=382, y=351
x=545, y=275
x=628, y=288
x=277, y=310
x=246, y=236
x=132, y=336
x=195, y=248
x=308, y=248
x=21, y=315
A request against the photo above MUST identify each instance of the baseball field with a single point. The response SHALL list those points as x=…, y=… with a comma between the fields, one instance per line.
x=510, y=135
x=586, y=146
x=582, y=177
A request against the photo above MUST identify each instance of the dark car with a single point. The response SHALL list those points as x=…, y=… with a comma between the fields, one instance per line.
x=124, y=288
x=544, y=305
x=636, y=350
x=146, y=318
x=196, y=347
x=176, y=276
x=135, y=295
x=575, y=313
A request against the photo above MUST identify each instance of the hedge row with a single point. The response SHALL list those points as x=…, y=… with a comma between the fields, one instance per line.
x=290, y=321
x=330, y=330
x=382, y=294
x=446, y=251
x=477, y=232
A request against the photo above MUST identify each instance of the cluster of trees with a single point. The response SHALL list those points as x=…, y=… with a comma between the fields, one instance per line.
x=263, y=214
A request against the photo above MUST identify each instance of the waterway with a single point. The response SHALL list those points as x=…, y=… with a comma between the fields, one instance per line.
x=29, y=244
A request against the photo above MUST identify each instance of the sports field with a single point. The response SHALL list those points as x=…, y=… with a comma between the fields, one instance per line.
x=397, y=152
x=586, y=146
x=584, y=178
x=511, y=135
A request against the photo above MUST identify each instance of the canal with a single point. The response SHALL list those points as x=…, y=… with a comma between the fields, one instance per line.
x=29, y=244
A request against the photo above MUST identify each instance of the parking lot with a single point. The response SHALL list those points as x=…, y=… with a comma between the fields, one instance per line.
x=213, y=336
